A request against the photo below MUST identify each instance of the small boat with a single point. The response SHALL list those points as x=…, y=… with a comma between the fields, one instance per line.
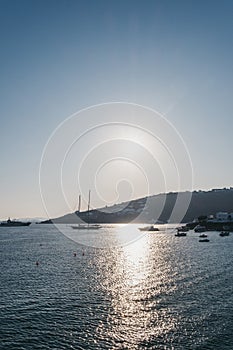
x=203, y=235
x=224, y=233
x=204, y=240
x=14, y=223
x=182, y=229
x=200, y=228
x=180, y=234
x=86, y=227
x=151, y=228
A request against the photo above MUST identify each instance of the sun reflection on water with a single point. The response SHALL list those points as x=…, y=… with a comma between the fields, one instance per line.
x=135, y=278
x=135, y=261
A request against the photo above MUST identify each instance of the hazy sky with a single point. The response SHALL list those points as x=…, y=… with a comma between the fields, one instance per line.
x=58, y=57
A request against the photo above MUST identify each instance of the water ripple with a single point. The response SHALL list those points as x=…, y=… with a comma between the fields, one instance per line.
x=157, y=293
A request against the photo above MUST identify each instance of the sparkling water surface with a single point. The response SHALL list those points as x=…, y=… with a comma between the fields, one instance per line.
x=141, y=291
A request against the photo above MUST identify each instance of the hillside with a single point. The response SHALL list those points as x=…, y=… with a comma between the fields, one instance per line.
x=157, y=208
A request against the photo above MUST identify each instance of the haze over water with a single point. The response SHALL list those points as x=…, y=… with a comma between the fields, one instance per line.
x=160, y=292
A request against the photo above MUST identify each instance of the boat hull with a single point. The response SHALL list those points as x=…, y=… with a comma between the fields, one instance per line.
x=224, y=234
x=181, y=234
x=149, y=229
x=14, y=224
x=86, y=227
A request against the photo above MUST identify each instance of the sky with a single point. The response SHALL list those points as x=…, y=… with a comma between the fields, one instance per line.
x=60, y=57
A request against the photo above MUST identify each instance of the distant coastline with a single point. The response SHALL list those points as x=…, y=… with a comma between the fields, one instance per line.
x=203, y=203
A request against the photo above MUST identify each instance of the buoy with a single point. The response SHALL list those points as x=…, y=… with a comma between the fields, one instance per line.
x=37, y=263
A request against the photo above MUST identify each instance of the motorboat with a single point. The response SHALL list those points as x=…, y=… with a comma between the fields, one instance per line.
x=203, y=235
x=182, y=229
x=199, y=228
x=224, y=233
x=204, y=240
x=150, y=228
x=180, y=234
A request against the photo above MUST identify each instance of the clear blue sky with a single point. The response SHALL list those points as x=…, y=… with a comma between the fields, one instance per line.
x=58, y=57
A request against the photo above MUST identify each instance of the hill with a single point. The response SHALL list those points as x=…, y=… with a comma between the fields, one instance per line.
x=166, y=207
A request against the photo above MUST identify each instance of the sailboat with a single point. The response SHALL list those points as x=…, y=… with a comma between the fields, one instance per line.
x=84, y=226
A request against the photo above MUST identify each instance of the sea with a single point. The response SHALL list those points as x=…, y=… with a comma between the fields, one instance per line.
x=114, y=288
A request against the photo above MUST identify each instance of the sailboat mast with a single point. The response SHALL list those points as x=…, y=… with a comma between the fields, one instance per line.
x=88, y=207
x=79, y=203
x=89, y=200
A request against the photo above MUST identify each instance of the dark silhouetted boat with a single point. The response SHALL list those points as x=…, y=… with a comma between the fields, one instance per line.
x=203, y=235
x=182, y=229
x=224, y=233
x=204, y=240
x=200, y=228
x=180, y=234
x=151, y=228
x=14, y=223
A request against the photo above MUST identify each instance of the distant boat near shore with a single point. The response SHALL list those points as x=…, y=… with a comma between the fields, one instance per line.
x=182, y=229
x=87, y=226
x=181, y=234
x=200, y=229
x=224, y=233
x=14, y=223
x=149, y=228
x=203, y=235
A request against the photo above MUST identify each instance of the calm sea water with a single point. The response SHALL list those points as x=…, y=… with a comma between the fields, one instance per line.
x=160, y=292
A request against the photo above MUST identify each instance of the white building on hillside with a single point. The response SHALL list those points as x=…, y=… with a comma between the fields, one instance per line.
x=224, y=216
